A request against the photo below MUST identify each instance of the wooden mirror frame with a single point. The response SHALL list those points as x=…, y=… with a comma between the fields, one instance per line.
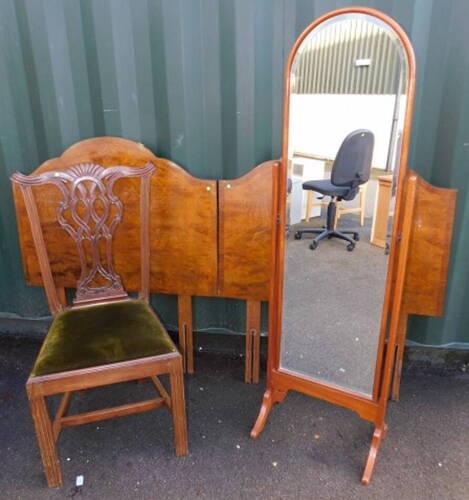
x=281, y=380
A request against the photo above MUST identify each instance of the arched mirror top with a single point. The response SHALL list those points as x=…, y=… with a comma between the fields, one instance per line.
x=319, y=58
x=366, y=28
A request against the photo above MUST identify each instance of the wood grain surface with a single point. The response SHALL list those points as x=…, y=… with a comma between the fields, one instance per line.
x=245, y=233
x=183, y=223
x=430, y=247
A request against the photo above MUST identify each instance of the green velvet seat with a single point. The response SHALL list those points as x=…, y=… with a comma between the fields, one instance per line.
x=101, y=334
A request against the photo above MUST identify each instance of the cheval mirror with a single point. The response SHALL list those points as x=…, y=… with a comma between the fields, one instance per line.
x=338, y=280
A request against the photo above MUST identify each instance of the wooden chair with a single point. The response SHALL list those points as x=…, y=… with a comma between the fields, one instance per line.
x=105, y=337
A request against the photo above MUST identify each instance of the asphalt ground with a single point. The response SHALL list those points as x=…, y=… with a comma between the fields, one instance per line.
x=309, y=449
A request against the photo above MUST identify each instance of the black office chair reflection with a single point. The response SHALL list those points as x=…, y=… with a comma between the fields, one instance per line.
x=351, y=168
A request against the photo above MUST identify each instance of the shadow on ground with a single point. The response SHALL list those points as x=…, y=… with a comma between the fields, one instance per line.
x=309, y=449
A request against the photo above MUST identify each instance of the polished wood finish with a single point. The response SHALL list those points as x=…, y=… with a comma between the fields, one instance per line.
x=61, y=411
x=253, y=341
x=115, y=411
x=46, y=440
x=392, y=311
x=186, y=343
x=284, y=380
x=279, y=380
x=178, y=408
x=61, y=295
x=245, y=239
x=183, y=223
x=39, y=387
x=96, y=376
x=55, y=305
x=78, y=214
x=378, y=435
x=399, y=357
x=271, y=397
x=184, y=215
x=244, y=249
x=161, y=390
x=427, y=265
x=89, y=225
x=200, y=243
x=65, y=265
x=183, y=232
x=430, y=240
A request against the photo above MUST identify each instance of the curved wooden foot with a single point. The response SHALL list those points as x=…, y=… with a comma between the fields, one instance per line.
x=378, y=435
x=271, y=396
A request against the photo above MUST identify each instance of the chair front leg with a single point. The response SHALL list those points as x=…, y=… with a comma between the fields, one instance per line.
x=45, y=439
x=178, y=408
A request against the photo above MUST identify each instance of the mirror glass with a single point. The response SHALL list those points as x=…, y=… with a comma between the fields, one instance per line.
x=346, y=112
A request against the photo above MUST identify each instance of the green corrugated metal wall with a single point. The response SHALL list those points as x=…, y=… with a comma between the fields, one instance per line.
x=327, y=62
x=200, y=82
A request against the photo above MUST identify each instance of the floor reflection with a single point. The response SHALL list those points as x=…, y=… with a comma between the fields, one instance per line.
x=332, y=306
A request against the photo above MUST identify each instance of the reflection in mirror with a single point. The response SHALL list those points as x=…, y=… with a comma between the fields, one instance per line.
x=347, y=103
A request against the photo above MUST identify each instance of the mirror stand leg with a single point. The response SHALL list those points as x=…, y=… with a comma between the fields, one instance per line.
x=378, y=436
x=271, y=396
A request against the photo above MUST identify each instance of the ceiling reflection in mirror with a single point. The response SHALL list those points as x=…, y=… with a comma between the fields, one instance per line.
x=346, y=113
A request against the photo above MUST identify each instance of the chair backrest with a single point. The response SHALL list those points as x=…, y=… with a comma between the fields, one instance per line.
x=352, y=165
x=90, y=212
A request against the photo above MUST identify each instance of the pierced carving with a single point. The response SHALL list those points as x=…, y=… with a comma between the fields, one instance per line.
x=90, y=212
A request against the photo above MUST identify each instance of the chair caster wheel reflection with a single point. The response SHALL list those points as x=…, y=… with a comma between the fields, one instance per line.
x=356, y=237
x=297, y=235
x=350, y=247
x=314, y=245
